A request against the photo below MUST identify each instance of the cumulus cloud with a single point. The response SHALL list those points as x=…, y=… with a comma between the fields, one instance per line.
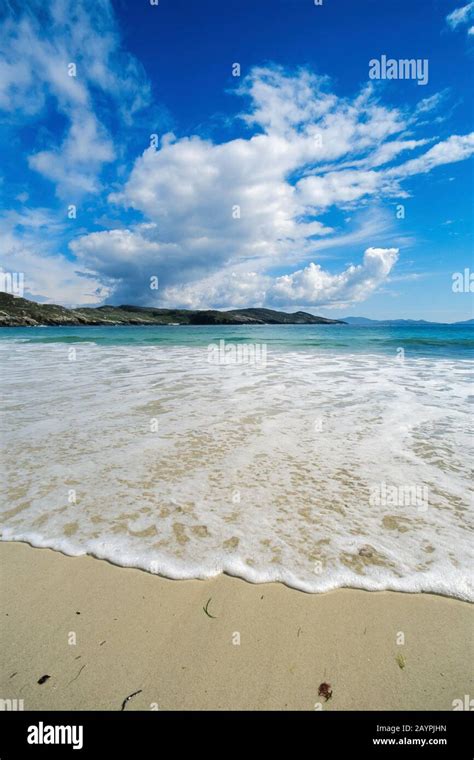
x=313, y=286
x=237, y=222
x=221, y=216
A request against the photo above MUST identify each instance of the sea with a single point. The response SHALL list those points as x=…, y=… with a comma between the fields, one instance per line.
x=319, y=456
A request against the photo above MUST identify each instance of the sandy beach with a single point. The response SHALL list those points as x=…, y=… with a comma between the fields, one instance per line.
x=102, y=633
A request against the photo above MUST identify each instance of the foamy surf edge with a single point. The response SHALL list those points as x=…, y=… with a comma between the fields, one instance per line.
x=455, y=585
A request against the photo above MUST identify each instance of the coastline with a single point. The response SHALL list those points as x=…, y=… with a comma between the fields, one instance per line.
x=137, y=632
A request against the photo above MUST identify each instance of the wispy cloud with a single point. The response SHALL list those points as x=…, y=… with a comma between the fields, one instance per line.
x=461, y=16
x=57, y=58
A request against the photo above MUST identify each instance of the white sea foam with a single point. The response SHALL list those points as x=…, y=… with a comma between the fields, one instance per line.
x=188, y=469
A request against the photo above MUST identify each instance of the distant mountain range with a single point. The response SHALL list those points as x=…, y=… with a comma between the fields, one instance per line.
x=400, y=322
x=19, y=312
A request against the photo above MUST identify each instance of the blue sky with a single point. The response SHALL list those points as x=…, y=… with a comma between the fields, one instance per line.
x=300, y=183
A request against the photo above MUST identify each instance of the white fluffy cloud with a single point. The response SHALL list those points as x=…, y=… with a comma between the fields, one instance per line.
x=308, y=287
x=222, y=216
x=314, y=286
x=230, y=223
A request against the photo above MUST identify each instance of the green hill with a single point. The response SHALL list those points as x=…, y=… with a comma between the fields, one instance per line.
x=19, y=312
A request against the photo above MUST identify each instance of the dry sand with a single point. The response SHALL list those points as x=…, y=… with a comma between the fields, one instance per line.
x=138, y=632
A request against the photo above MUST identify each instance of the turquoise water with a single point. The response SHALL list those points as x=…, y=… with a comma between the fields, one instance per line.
x=446, y=341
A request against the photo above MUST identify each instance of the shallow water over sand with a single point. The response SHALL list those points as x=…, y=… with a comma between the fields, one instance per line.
x=319, y=469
